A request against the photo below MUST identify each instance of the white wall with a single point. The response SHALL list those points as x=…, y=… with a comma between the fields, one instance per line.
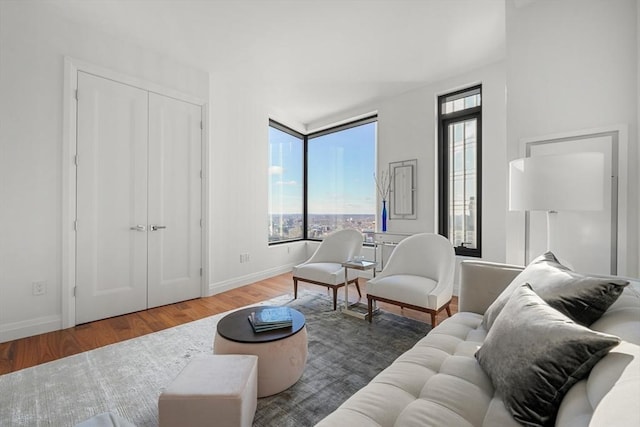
x=239, y=148
x=407, y=130
x=572, y=65
x=33, y=43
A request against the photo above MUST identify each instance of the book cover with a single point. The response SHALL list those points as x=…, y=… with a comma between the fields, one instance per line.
x=272, y=316
x=268, y=326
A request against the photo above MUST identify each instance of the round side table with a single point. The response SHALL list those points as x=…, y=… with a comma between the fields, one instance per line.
x=282, y=353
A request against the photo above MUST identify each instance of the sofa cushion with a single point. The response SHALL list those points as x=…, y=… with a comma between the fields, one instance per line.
x=609, y=396
x=621, y=319
x=584, y=299
x=534, y=378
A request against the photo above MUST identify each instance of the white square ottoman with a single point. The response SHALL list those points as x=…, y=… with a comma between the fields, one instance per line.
x=218, y=390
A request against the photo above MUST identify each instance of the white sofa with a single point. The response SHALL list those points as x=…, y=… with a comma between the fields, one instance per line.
x=439, y=382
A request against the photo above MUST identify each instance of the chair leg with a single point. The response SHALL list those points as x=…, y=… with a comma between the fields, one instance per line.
x=433, y=319
x=358, y=288
x=295, y=288
x=335, y=298
x=370, y=306
x=448, y=310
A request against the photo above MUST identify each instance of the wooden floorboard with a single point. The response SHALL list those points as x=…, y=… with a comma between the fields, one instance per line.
x=31, y=351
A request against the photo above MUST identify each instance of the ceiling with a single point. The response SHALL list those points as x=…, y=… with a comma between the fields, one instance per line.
x=309, y=58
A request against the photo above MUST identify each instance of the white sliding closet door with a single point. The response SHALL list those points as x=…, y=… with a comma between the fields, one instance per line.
x=111, y=260
x=175, y=146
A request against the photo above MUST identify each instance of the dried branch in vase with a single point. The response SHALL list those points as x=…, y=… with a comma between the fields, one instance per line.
x=383, y=184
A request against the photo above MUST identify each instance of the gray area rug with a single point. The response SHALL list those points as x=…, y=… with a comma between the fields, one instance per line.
x=126, y=378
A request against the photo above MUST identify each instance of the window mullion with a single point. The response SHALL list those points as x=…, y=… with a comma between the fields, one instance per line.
x=464, y=184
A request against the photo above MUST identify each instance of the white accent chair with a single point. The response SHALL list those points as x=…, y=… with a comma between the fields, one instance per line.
x=324, y=268
x=418, y=275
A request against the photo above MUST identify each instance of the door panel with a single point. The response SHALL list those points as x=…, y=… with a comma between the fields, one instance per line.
x=111, y=276
x=175, y=139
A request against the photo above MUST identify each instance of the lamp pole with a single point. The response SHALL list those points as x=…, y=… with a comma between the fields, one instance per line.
x=552, y=232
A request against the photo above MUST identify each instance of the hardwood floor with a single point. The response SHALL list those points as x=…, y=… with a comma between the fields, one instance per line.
x=31, y=351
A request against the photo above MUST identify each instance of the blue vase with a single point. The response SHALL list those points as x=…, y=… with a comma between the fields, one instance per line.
x=384, y=215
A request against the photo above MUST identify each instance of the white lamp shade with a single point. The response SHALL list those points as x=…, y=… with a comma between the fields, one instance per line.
x=567, y=182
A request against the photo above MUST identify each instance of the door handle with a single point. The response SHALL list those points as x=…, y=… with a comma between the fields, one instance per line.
x=139, y=228
x=157, y=227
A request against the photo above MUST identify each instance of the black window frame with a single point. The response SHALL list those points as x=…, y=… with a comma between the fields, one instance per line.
x=444, y=120
x=283, y=128
x=305, y=139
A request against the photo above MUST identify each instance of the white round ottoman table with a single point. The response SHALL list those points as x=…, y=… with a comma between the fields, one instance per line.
x=282, y=353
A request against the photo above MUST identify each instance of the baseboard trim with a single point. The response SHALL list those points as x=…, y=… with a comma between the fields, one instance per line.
x=236, y=282
x=28, y=328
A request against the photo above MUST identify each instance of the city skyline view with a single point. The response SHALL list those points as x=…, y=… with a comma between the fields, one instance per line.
x=290, y=226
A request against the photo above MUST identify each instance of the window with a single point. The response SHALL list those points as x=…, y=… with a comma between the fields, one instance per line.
x=340, y=186
x=459, y=157
x=322, y=182
x=286, y=184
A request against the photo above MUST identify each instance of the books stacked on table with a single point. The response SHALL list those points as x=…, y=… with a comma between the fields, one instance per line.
x=271, y=318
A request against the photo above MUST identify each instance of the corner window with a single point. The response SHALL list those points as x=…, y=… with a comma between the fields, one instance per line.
x=286, y=184
x=340, y=186
x=321, y=182
x=459, y=158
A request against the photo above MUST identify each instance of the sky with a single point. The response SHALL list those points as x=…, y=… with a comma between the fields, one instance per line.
x=341, y=167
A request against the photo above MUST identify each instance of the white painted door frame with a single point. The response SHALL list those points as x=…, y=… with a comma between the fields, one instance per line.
x=69, y=200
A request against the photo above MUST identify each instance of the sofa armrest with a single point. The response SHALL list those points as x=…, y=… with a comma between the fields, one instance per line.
x=481, y=282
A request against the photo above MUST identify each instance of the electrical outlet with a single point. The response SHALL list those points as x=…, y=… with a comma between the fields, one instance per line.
x=39, y=288
x=244, y=258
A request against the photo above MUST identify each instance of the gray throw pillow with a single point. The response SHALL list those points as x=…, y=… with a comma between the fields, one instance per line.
x=584, y=299
x=534, y=354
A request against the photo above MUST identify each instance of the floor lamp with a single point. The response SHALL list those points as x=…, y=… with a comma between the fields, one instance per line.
x=556, y=183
